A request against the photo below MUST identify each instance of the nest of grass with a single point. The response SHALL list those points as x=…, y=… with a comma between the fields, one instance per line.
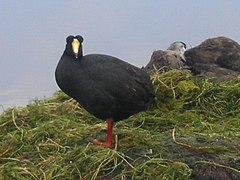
x=192, y=130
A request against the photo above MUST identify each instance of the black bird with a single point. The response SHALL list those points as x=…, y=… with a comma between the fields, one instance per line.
x=107, y=87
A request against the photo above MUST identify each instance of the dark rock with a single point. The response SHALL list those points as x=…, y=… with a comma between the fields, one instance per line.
x=208, y=171
x=166, y=60
x=216, y=57
x=172, y=58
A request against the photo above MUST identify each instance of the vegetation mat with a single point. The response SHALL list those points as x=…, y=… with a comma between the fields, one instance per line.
x=190, y=132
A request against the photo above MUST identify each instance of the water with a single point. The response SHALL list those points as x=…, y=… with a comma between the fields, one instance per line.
x=15, y=98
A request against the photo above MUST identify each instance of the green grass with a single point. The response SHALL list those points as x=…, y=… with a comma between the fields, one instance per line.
x=194, y=121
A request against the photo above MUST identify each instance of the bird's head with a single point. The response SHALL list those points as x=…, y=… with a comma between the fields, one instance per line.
x=74, y=45
x=178, y=47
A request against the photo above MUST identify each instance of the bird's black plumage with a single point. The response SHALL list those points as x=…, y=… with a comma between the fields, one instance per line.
x=105, y=86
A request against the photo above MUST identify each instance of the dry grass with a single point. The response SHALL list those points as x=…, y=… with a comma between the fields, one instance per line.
x=51, y=138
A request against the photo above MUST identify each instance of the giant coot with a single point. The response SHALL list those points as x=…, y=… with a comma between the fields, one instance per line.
x=107, y=87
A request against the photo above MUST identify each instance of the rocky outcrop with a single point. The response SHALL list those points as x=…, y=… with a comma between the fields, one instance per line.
x=172, y=58
x=217, y=58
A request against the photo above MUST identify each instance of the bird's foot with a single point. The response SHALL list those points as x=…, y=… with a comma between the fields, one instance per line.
x=100, y=143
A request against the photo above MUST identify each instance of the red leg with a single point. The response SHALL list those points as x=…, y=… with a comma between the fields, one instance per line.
x=108, y=142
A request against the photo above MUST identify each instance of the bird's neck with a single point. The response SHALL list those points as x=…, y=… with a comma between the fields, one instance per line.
x=68, y=51
x=80, y=54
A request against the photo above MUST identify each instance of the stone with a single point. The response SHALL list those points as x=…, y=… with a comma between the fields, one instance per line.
x=172, y=58
x=217, y=58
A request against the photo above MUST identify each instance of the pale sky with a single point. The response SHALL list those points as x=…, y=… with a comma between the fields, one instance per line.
x=33, y=33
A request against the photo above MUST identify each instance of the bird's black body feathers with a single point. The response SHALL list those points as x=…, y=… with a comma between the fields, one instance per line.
x=105, y=86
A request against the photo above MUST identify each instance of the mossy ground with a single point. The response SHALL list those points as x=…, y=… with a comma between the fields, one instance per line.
x=191, y=132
